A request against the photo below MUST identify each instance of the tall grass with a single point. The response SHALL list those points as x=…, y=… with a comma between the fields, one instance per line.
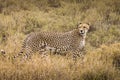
x=102, y=60
x=98, y=65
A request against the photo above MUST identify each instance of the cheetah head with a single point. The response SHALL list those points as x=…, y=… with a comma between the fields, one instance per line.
x=83, y=28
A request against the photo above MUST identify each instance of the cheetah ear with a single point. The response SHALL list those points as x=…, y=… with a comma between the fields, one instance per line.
x=88, y=24
x=78, y=24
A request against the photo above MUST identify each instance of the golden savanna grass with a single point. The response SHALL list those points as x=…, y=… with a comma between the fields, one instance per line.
x=97, y=66
x=102, y=51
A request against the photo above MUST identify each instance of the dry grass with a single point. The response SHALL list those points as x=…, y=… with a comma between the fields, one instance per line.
x=102, y=59
x=97, y=65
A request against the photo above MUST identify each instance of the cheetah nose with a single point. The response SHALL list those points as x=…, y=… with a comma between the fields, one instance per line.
x=81, y=31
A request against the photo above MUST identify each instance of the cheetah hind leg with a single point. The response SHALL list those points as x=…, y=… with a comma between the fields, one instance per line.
x=43, y=53
x=28, y=54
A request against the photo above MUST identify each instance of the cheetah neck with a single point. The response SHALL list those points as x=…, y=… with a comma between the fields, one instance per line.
x=82, y=43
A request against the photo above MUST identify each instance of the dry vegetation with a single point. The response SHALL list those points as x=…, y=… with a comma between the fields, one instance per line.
x=20, y=17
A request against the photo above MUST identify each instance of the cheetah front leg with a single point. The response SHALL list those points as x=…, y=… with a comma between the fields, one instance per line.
x=74, y=56
x=28, y=53
x=78, y=54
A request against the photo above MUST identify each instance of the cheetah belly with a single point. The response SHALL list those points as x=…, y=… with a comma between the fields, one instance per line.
x=45, y=47
x=57, y=45
x=53, y=49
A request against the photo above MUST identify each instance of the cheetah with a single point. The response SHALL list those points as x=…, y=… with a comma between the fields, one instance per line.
x=42, y=42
